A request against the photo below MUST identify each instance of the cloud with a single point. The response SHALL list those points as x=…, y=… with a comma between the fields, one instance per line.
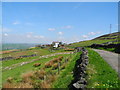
x=39, y=37
x=5, y=30
x=5, y=34
x=85, y=36
x=60, y=33
x=51, y=29
x=31, y=35
x=28, y=36
x=30, y=32
x=15, y=23
x=93, y=33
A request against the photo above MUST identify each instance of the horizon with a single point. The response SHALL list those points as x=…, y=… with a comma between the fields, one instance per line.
x=67, y=22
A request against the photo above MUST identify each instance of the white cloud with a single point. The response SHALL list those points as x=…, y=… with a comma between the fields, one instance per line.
x=60, y=33
x=98, y=32
x=93, y=33
x=5, y=34
x=30, y=32
x=39, y=37
x=5, y=30
x=16, y=22
x=51, y=29
x=85, y=36
x=28, y=36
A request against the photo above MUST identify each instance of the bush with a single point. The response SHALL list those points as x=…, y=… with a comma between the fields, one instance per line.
x=27, y=77
x=55, y=66
x=48, y=65
x=41, y=73
x=60, y=58
x=10, y=79
x=51, y=78
x=63, y=66
x=17, y=85
x=69, y=49
x=45, y=84
x=55, y=60
x=36, y=64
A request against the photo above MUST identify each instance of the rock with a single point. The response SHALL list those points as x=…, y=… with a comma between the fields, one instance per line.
x=78, y=86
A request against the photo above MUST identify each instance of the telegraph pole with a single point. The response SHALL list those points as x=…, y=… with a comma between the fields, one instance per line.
x=110, y=30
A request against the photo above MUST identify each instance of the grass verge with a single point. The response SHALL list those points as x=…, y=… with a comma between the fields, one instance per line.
x=100, y=73
x=66, y=76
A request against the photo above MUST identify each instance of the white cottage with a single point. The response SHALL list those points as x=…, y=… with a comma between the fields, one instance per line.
x=56, y=44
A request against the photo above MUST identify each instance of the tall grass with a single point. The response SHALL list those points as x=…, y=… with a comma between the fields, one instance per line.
x=100, y=73
x=66, y=76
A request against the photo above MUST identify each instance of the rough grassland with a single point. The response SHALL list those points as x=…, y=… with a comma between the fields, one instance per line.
x=100, y=74
x=87, y=43
x=16, y=72
x=66, y=76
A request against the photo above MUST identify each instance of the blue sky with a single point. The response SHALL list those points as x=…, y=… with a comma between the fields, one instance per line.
x=39, y=22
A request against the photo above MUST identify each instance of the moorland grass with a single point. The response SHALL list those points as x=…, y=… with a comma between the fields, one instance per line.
x=7, y=63
x=38, y=51
x=100, y=73
x=16, y=72
x=88, y=43
x=66, y=76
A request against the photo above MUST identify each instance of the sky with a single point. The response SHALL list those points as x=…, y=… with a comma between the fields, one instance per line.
x=44, y=22
x=60, y=0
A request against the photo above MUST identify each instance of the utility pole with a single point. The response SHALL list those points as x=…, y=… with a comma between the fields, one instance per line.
x=110, y=31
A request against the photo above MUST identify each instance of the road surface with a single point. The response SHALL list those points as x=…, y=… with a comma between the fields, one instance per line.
x=111, y=58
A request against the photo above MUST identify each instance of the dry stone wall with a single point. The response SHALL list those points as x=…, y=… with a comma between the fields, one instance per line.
x=80, y=71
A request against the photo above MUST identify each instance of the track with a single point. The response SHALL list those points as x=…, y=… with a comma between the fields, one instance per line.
x=111, y=58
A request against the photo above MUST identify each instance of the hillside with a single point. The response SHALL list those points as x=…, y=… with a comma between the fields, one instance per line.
x=104, y=39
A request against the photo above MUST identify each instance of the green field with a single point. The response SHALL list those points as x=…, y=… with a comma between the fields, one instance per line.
x=100, y=73
x=98, y=40
x=25, y=68
x=50, y=75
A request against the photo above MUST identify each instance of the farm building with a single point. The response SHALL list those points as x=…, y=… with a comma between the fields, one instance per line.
x=56, y=44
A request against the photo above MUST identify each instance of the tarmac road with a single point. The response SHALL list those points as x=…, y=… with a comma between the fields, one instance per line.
x=111, y=58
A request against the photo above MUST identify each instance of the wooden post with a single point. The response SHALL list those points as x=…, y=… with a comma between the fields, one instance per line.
x=58, y=67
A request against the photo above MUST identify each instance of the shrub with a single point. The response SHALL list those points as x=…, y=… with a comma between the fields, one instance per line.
x=41, y=73
x=18, y=58
x=69, y=49
x=17, y=85
x=8, y=85
x=10, y=79
x=60, y=58
x=63, y=66
x=27, y=77
x=48, y=64
x=55, y=60
x=55, y=66
x=45, y=84
x=51, y=78
x=36, y=64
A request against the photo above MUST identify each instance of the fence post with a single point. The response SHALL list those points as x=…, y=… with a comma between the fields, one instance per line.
x=58, y=67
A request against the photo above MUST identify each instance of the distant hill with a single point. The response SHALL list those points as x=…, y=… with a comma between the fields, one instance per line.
x=104, y=39
x=9, y=46
x=108, y=36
